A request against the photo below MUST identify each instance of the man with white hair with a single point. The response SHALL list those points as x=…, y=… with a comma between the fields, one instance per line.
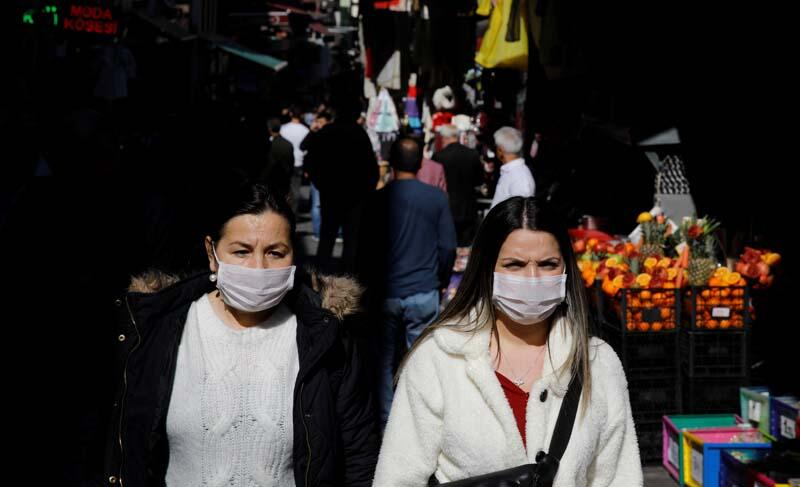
x=515, y=177
x=463, y=172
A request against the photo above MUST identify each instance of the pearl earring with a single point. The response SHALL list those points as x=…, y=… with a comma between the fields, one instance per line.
x=213, y=277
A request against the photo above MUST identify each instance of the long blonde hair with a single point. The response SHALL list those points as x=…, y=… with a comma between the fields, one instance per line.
x=471, y=308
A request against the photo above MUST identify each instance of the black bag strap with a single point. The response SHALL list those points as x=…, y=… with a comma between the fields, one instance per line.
x=566, y=418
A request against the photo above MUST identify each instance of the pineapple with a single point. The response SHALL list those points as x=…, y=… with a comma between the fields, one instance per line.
x=702, y=263
x=700, y=270
x=653, y=237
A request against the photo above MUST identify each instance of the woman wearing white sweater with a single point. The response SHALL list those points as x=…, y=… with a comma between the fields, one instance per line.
x=481, y=390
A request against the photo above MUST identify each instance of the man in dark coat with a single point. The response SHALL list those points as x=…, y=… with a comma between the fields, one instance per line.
x=342, y=166
x=280, y=160
x=463, y=172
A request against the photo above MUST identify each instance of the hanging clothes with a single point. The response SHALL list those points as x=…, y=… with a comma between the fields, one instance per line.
x=383, y=120
x=505, y=43
x=410, y=106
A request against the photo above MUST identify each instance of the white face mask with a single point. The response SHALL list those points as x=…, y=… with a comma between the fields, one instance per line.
x=252, y=290
x=528, y=300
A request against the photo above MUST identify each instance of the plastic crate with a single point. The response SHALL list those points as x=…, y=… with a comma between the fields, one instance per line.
x=712, y=354
x=711, y=395
x=716, y=308
x=672, y=436
x=645, y=355
x=644, y=310
x=702, y=451
x=648, y=434
x=783, y=416
x=651, y=399
x=734, y=470
x=754, y=407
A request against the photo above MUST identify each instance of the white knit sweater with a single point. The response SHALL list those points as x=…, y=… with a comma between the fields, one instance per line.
x=230, y=414
x=450, y=417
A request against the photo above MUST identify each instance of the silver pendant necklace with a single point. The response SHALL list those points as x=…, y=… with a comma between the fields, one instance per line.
x=517, y=379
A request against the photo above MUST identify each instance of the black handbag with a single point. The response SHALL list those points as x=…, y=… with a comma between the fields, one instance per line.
x=543, y=472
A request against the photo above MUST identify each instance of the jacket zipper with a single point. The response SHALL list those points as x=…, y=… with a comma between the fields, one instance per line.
x=125, y=390
x=305, y=427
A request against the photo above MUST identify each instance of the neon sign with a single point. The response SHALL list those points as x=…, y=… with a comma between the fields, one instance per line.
x=98, y=20
x=31, y=15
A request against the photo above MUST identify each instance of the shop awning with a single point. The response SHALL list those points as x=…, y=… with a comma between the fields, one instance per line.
x=243, y=52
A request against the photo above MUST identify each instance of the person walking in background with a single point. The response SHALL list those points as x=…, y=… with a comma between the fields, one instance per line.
x=342, y=166
x=280, y=161
x=431, y=172
x=321, y=119
x=412, y=252
x=295, y=131
x=464, y=173
x=515, y=177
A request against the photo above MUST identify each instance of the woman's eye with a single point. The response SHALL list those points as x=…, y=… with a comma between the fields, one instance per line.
x=240, y=253
x=277, y=255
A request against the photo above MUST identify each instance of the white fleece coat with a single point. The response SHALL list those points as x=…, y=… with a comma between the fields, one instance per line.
x=450, y=416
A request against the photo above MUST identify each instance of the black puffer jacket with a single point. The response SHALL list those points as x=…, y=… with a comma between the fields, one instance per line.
x=335, y=440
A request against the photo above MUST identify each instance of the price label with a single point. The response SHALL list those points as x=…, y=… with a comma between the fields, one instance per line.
x=673, y=452
x=754, y=411
x=721, y=312
x=697, y=466
x=788, y=428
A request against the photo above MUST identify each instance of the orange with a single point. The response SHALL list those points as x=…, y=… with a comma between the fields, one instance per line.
x=741, y=283
x=738, y=324
x=712, y=324
x=721, y=272
x=644, y=326
x=650, y=262
x=665, y=313
x=724, y=324
x=665, y=262
x=657, y=326
x=669, y=326
x=631, y=326
x=716, y=282
x=645, y=295
x=706, y=293
x=733, y=278
x=617, y=281
x=644, y=217
x=773, y=259
x=611, y=263
x=643, y=280
x=669, y=285
x=725, y=293
x=658, y=297
x=672, y=273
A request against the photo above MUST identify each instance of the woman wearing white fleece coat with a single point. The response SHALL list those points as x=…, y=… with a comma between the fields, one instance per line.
x=451, y=418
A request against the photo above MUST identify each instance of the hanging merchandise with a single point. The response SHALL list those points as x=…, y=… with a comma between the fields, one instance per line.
x=382, y=118
x=427, y=122
x=443, y=101
x=389, y=76
x=411, y=108
x=505, y=43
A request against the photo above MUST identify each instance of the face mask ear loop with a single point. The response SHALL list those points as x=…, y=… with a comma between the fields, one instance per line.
x=214, y=251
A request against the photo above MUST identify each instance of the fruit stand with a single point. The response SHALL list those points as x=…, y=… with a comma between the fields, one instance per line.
x=678, y=319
